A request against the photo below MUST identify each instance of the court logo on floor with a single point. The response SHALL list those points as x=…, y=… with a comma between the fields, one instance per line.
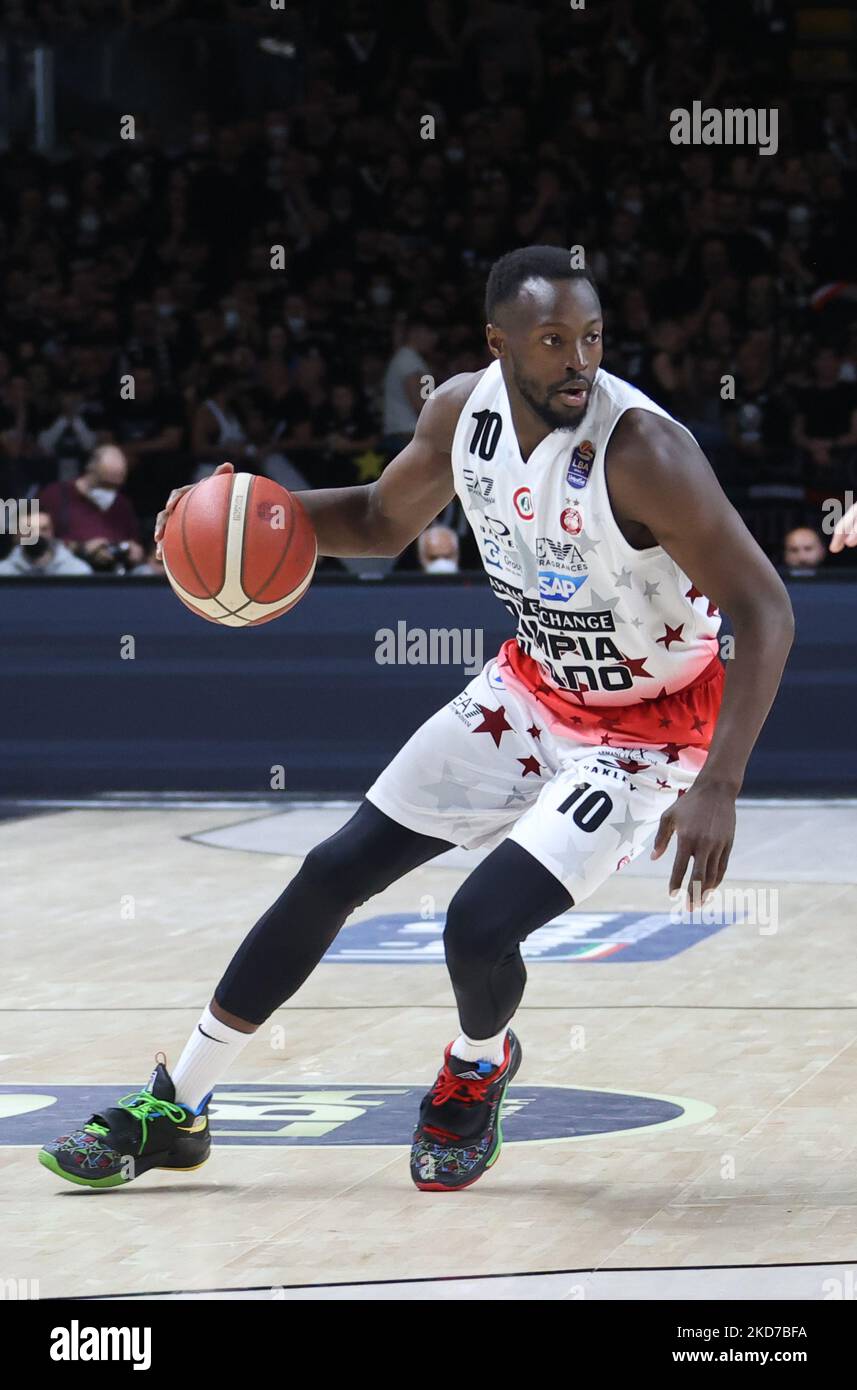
x=350, y=1113
x=398, y=938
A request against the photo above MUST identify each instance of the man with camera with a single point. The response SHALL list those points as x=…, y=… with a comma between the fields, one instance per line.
x=92, y=516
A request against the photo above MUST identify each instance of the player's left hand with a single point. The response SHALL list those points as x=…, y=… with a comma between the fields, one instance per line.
x=703, y=821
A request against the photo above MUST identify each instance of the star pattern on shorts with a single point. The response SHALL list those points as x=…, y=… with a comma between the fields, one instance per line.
x=447, y=793
x=494, y=722
x=699, y=725
x=650, y=590
x=627, y=828
x=535, y=732
x=515, y=795
x=575, y=861
x=530, y=765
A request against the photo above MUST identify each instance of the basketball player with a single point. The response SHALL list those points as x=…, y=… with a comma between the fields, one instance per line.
x=597, y=728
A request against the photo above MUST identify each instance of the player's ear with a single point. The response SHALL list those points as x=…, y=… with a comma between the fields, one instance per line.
x=496, y=341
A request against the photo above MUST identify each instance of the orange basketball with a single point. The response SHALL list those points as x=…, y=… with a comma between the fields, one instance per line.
x=239, y=550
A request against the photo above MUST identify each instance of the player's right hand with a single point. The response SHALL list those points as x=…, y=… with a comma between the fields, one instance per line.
x=172, y=502
x=845, y=530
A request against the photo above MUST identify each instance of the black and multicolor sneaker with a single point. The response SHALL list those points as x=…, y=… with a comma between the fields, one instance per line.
x=146, y=1129
x=459, y=1135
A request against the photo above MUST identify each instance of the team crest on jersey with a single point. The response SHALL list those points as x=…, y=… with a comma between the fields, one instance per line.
x=523, y=500
x=571, y=521
x=580, y=466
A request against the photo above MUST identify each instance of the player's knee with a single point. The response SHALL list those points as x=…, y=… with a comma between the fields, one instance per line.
x=338, y=870
x=468, y=938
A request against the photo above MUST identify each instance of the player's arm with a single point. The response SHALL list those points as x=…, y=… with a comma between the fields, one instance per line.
x=381, y=518
x=659, y=478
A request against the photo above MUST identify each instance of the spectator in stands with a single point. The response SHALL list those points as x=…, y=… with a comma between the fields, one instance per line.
x=153, y=564
x=757, y=420
x=90, y=513
x=68, y=438
x=404, y=385
x=150, y=429
x=825, y=427
x=437, y=548
x=38, y=554
x=348, y=452
x=218, y=434
x=803, y=550
x=158, y=257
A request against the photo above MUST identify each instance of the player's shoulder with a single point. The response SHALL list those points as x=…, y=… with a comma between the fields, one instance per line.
x=440, y=415
x=455, y=392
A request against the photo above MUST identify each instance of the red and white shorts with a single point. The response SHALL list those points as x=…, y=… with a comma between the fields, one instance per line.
x=582, y=789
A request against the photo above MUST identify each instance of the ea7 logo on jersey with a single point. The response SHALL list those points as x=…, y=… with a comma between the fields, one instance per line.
x=483, y=486
x=560, y=587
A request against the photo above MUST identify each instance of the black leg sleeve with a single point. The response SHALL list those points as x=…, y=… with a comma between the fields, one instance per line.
x=364, y=857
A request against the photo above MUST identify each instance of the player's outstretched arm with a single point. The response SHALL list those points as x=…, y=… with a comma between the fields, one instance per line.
x=383, y=517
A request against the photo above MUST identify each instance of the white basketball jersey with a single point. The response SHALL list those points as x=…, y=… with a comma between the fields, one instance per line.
x=599, y=617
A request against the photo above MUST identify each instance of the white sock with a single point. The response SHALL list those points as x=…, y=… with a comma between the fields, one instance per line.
x=485, y=1050
x=205, y=1059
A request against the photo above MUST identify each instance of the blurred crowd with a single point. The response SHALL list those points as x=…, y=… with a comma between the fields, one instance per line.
x=280, y=289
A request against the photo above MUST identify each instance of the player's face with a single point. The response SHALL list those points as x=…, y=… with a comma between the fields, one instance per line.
x=551, y=339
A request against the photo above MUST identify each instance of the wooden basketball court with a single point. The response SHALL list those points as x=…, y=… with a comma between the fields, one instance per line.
x=684, y=1124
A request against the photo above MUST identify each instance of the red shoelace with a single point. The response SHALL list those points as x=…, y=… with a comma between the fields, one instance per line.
x=449, y=1086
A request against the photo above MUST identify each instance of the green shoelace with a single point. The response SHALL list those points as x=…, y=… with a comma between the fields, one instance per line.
x=144, y=1107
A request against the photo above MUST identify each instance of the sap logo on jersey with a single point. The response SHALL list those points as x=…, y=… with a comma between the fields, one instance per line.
x=523, y=500
x=581, y=464
x=353, y=1114
x=560, y=587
